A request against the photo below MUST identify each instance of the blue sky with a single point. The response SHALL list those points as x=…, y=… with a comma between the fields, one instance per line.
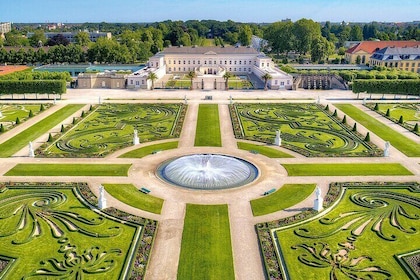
x=237, y=10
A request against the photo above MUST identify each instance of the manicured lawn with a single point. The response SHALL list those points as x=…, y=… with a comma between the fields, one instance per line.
x=130, y=195
x=400, y=142
x=19, y=141
x=208, y=126
x=23, y=169
x=285, y=197
x=10, y=112
x=206, y=250
x=264, y=150
x=346, y=169
x=145, y=151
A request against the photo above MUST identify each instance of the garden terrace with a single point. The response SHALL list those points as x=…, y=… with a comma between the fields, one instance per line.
x=307, y=129
x=358, y=235
x=110, y=127
x=105, y=245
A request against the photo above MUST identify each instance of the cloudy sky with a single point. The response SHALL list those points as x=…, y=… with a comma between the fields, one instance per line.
x=237, y=10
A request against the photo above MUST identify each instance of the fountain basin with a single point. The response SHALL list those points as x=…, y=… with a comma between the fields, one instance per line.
x=207, y=171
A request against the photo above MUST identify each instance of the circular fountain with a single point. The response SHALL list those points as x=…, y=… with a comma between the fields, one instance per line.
x=207, y=172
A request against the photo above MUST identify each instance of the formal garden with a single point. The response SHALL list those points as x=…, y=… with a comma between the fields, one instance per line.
x=367, y=231
x=405, y=114
x=83, y=242
x=111, y=127
x=309, y=129
x=15, y=114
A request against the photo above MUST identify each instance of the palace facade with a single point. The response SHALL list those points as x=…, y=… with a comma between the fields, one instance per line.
x=210, y=64
x=407, y=59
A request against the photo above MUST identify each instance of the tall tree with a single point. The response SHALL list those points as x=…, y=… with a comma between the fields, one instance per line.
x=266, y=77
x=38, y=39
x=191, y=75
x=227, y=76
x=82, y=38
x=321, y=48
x=280, y=36
x=356, y=33
x=152, y=77
x=305, y=30
x=245, y=35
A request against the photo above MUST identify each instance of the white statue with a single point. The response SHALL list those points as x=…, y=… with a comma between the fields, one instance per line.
x=386, y=151
x=318, y=100
x=277, y=140
x=31, y=150
x=319, y=201
x=136, y=139
x=1, y=114
x=102, y=199
x=99, y=100
x=185, y=99
x=54, y=100
x=230, y=99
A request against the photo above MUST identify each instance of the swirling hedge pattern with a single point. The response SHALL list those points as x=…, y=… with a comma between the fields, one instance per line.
x=305, y=128
x=111, y=127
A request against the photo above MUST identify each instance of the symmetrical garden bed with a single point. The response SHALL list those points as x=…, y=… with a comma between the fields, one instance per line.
x=308, y=129
x=111, y=127
x=405, y=114
x=359, y=237
x=66, y=237
x=14, y=114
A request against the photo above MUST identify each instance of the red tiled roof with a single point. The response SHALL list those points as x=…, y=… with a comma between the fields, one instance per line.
x=372, y=46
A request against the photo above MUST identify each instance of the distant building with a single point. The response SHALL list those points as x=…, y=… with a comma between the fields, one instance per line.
x=365, y=49
x=209, y=65
x=71, y=36
x=5, y=27
x=407, y=58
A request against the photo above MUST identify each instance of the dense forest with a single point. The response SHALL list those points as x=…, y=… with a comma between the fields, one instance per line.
x=136, y=42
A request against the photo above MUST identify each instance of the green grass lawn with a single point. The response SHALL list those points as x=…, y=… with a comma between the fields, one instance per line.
x=206, y=250
x=9, y=113
x=23, y=169
x=285, y=197
x=130, y=195
x=264, y=150
x=22, y=139
x=346, y=169
x=148, y=150
x=208, y=126
x=399, y=141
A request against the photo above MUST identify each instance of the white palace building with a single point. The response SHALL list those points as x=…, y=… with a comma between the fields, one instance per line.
x=210, y=64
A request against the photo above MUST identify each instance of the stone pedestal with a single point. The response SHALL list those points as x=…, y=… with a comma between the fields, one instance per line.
x=99, y=100
x=319, y=201
x=102, y=199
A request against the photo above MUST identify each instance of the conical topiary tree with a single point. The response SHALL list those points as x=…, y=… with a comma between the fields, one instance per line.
x=327, y=108
x=401, y=120
x=83, y=114
x=31, y=114
x=354, y=127
x=41, y=108
x=50, y=138
x=17, y=120
x=344, y=119
x=62, y=128
x=388, y=112
x=335, y=113
x=367, y=138
x=74, y=120
x=1, y=128
x=416, y=128
x=376, y=108
x=90, y=108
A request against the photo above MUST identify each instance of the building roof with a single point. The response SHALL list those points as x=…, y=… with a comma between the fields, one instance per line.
x=209, y=50
x=372, y=46
x=396, y=54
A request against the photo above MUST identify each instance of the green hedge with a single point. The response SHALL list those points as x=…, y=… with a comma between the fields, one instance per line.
x=411, y=87
x=33, y=86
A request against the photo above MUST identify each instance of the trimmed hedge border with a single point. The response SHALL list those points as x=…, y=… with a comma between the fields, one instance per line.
x=40, y=87
x=409, y=87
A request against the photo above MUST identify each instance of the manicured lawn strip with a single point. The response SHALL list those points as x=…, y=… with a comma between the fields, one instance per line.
x=145, y=151
x=130, y=195
x=399, y=141
x=287, y=196
x=208, y=126
x=264, y=150
x=206, y=250
x=23, y=169
x=19, y=141
x=346, y=169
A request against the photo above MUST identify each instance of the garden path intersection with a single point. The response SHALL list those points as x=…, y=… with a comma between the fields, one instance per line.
x=166, y=251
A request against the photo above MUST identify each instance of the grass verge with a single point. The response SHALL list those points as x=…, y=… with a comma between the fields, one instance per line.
x=145, y=151
x=208, y=126
x=16, y=143
x=206, y=250
x=130, y=195
x=399, y=141
x=23, y=169
x=264, y=150
x=346, y=169
x=277, y=201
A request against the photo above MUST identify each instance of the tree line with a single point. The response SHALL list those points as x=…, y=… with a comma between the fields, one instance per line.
x=136, y=42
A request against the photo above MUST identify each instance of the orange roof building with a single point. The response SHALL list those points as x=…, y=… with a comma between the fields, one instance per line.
x=365, y=49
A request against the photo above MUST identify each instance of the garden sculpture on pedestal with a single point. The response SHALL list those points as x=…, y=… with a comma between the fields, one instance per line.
x=1, y=115
x=136, y=139
x=318, y=202
x=102, y=199
x=99, y=100
x=185, y=100
x=230, y=99
x=277, y=141
x=386, y=151
x=31, y=150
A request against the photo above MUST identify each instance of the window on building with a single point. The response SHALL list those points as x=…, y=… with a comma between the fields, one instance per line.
x=240, y=61
x=137, y=83
x=210, y=62
x=179, y=61
x=184, y=69
x=230, y=62
x=225, y=62
x=193, y=61
x=188, y=62
x=276, y=82
x=235, y=62
x=249, y=62
x=240, y=69
x=249, y=69
x=262, y=64
x=288, y=81
x=184, y=61
x=234, y=69
x=131, y=82
x=230, y=69
x=142, y=82
x=199, y=62
x=170, y=69
x=174, y=61
x=268, y=64
x=205, y=62
x=282, y=83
